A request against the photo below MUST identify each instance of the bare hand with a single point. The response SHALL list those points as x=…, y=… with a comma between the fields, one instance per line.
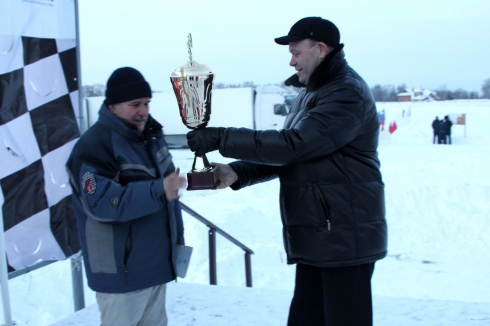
x=172, y=183
x=226, y=175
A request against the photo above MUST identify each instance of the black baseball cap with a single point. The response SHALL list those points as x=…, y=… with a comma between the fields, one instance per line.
x=314, y=28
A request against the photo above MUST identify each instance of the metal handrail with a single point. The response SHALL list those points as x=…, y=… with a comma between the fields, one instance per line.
x=76, y=264
x=213, y=229
x=76, y=278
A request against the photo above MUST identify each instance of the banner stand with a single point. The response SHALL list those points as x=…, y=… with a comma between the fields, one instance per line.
x=7, y=314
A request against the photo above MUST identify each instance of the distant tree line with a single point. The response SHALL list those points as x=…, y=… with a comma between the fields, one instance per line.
x=245, y=84
x=485, y=88
x=99, y=89
x=386, y=93
x=93, y=90
x=458, y=94
x=389, y=93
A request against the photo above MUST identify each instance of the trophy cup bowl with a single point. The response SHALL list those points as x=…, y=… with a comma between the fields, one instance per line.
x=192, y=84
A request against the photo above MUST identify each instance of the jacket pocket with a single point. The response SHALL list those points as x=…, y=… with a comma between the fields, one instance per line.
x=99, y=239
x=323, y=206
x=301, y=207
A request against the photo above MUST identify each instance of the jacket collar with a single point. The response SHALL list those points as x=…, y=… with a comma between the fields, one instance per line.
x=126, y=129
x=322, y=73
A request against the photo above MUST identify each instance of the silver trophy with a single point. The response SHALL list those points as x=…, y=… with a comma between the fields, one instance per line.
x=193, y=84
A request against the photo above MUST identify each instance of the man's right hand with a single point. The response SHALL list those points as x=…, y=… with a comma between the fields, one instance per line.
x=226, y=175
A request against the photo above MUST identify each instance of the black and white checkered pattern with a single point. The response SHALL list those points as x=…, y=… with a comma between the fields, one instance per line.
x=39, y=103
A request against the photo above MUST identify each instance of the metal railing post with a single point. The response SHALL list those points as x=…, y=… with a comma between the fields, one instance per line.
x=213, y=229
x=77, y=283
x=212, y=257
x=248, y=269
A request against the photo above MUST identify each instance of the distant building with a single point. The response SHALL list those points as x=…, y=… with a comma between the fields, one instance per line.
x=416, y=94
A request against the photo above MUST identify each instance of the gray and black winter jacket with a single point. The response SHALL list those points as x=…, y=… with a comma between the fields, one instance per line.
x=128, y=230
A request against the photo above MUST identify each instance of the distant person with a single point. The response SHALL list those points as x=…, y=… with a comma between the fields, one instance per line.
x=125, y=197
x=435, y=129
x=442, y=132
x=447, y=125
x=332, y=194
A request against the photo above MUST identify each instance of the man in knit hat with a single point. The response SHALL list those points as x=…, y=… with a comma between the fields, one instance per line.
x=125, y=197
x=332, y=194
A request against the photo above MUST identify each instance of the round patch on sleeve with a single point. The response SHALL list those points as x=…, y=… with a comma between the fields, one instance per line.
x=88, y=183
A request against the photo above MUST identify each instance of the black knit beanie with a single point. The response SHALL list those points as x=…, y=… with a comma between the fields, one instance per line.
x=126, y=84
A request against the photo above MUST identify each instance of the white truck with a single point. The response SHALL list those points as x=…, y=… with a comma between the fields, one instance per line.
x=260, y=108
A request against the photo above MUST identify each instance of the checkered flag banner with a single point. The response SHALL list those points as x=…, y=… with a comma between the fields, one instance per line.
x=39, y=103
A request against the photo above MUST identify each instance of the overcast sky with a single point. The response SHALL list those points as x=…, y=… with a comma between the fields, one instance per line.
x=429, y=44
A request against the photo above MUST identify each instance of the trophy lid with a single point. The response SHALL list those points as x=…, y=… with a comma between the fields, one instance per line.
x=192, y=69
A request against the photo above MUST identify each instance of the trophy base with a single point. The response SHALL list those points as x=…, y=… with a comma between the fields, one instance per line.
x=202, y=180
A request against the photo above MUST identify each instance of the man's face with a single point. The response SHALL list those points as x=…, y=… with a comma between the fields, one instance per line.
x=305, y=58
x=134, y=111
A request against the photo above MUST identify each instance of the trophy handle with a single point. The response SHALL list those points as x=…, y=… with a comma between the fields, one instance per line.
x=201, y=164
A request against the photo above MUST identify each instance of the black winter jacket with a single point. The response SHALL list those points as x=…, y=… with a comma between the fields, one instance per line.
x=331, y=190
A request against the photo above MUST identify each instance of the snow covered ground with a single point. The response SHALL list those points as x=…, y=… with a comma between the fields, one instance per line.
x=436, y=272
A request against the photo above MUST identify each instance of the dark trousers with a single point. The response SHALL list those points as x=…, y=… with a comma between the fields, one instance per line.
x=442, y=137
x=335, y=296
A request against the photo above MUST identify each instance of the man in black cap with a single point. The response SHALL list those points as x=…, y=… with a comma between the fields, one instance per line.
x=125, y=197
x=332, y=194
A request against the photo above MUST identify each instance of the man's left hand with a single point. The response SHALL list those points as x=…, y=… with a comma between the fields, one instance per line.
x=204, y=140
x=173, y=183
x=225, y=174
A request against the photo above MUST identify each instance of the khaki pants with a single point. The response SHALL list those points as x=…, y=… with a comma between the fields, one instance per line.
x=139, y=308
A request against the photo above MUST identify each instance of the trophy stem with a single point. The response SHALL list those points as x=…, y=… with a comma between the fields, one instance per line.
x=201, y=164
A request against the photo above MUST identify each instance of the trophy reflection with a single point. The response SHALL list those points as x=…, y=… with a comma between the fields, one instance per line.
x=192, y=84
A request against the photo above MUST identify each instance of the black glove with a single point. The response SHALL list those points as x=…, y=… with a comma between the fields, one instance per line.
x=204, y=140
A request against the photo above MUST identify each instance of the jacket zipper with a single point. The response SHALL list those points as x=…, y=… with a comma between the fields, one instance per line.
x=129, y=246
x=324, y=209
x=125, y=275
